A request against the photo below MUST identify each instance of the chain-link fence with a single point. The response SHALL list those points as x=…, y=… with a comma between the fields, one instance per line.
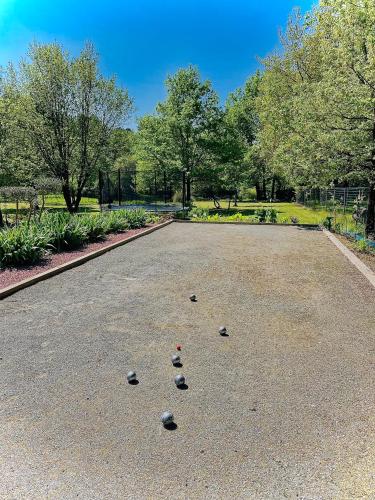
x=342, y=197
x=345, y=208
x=156, y=191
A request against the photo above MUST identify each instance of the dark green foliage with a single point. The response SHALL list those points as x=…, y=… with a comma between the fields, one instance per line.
x=28, y=243
x=261, y=214
x=22, y=245
x=64, y=231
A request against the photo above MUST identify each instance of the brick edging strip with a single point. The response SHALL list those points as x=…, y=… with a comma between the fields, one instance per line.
x=9, y=290
x=361, y=266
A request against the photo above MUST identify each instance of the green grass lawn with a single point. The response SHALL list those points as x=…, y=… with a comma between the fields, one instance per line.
x=53, y=202
x=285, y=211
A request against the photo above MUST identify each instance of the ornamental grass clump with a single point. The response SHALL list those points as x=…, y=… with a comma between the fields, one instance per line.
x=116, y=222
x=96, y=227
x=135, y=218
x=22, y=244
x=64, y=231
x=56, y=231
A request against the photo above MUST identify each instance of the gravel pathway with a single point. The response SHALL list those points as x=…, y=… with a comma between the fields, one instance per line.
x=281, y=408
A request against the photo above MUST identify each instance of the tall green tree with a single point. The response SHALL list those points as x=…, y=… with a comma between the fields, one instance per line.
x=184, y=129
x=243, y=117
x=317, y=98
x=68, y=111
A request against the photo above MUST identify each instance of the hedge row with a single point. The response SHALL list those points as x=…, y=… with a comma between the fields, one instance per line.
x=55, y=232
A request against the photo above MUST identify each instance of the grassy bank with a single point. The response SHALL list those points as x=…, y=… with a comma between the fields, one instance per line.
x=285, y=212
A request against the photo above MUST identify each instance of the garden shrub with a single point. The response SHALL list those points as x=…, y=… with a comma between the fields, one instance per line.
x=271, y=215
x=27, y=243
x=22, y=245
x=135, y=218
x=96, y=227
x=115, y=222
x=64, y=231
x=261, y=214
x=198, y=213
x=361, y=246
x=266, y=215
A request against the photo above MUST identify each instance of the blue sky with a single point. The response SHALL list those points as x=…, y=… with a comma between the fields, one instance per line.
x=141, y=41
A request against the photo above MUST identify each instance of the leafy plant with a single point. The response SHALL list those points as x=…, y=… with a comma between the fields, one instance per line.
x=361, y=246
x=64, y=231
x=271, y=215
x=261, y=214
x=266, y=215
x=96, y=227
x=198, y=213
x=22, y=245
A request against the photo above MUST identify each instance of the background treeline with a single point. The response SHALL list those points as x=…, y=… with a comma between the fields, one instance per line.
x=306, y=119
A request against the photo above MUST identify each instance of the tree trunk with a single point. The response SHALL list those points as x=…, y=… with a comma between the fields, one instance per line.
x=264, y=187
x=109, y=190
x=100, y=189
x=1, y=219
x=258, y=191
x=235, y=198
x=68, y=198
x=78, y=199
x=273, y=188
x=188, y=189
x=370, y=219
x=183, y=189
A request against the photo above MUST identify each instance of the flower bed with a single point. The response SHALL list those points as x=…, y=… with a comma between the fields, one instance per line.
x=30, y=242
x=14, y=275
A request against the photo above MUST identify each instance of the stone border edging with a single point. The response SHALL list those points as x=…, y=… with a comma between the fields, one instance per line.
x=188, y=221
x=361, y=266
x=11, y=289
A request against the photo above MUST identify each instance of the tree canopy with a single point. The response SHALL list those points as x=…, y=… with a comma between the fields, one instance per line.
x=62, y=112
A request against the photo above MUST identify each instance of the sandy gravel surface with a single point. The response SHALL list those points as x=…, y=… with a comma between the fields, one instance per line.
x=282, y=408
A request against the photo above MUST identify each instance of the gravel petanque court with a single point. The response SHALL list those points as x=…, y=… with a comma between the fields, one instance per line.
x=281, y=408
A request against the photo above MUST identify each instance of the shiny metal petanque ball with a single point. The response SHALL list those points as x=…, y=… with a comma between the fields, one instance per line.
x=131, y=376
x=176, y=359
x=167, y=418
x=222, y=330
x=193, y=297
x=179, y=380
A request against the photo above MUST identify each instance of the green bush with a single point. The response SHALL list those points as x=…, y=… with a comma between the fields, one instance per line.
x=271, y=215
x=27, y=243
x=198, y=213
x=64, y=231
x=22, y=245
x=361, y=246
x=266, y=215
x=115, y=222
x=96, y=227
x=261, y=214
x=135, y=218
